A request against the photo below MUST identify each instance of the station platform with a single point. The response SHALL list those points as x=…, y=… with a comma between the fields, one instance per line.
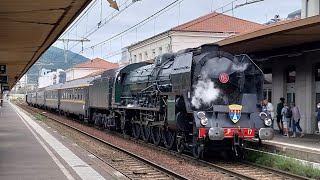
x=30, y=150
x=305, y=148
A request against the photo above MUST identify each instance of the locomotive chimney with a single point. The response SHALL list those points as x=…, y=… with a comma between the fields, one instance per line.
x=209, y=47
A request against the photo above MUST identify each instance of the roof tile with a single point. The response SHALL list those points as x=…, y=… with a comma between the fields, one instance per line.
x=218, y=22
x=97, y=63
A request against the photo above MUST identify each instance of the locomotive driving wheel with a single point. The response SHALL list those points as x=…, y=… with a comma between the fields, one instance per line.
x=136, y=130
x=125, y=126
x=145, y=132
x=197, y=148
x=180, y=144
x=169, y=138
x=156, y=135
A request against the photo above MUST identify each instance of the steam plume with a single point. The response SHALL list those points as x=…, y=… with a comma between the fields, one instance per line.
x=204, y=93
x=240, y=67
x=130, y=105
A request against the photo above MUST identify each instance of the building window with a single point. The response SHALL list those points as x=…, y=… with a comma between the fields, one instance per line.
x=146, y=56
x=168, y=48
x=134, y=58
x=140, y=57
x=268, y=78
x=267, y=94
x=291, y=74
x=317, y=72
x=153, y=53
x=160, y=50
x=291, y=98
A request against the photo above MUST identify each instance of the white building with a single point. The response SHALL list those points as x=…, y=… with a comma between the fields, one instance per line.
x=206, y=29
x=310, y=8
x=88, y=67
x=23, y=81
x=48, y=77
x=125, y=57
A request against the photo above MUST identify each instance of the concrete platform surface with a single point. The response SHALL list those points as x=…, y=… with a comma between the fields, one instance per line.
x=306, y=147
x=28, y=150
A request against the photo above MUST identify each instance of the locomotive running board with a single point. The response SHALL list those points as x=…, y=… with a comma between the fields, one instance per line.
x=139, y=108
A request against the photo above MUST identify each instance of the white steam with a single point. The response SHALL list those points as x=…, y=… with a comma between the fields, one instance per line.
x=240, y=67
x=204, y=93
x=130, y=105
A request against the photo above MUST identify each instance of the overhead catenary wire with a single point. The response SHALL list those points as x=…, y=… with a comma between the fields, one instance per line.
x=134, y=27
x=91, y=31
x=79, y=19
x=160, y=12
x=222, y=11
x=103, y=22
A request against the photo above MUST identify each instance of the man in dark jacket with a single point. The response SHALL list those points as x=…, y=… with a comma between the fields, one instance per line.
x=279, y=116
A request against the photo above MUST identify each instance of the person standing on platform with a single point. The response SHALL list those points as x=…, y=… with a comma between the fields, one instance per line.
x=286, y=113
x=270, y=110
x=279, y=115
x=318, y=116
x=296, y=120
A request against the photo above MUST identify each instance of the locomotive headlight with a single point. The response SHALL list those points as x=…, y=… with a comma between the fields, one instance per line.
x=201, y=114
x=263, y=115
x=268, y=122
x=204, y=121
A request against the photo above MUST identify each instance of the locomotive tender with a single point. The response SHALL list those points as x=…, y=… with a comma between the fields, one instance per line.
x=196, y=100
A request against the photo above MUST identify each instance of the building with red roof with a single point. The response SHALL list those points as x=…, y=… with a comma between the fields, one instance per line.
x=89, y=67
x=210, y=28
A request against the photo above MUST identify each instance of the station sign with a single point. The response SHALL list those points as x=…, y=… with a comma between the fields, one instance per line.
x=3, y=79
x=3, y=69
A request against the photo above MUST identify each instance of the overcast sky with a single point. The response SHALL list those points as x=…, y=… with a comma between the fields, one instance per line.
x=189, y=9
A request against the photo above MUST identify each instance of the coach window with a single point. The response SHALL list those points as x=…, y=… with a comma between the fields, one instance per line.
x=81, y=93
x=78, y=93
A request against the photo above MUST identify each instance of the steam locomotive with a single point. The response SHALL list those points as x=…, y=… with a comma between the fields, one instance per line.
x=196, y=100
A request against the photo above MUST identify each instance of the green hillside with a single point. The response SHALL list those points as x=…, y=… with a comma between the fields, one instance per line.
x=54, y=58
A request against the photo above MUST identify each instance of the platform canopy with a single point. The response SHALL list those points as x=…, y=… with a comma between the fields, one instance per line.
x=29, y=27
x=286, y=34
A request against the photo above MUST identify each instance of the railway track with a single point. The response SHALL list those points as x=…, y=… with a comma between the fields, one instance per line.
x=136, y=167
x=241, y=170
x=129, y=164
